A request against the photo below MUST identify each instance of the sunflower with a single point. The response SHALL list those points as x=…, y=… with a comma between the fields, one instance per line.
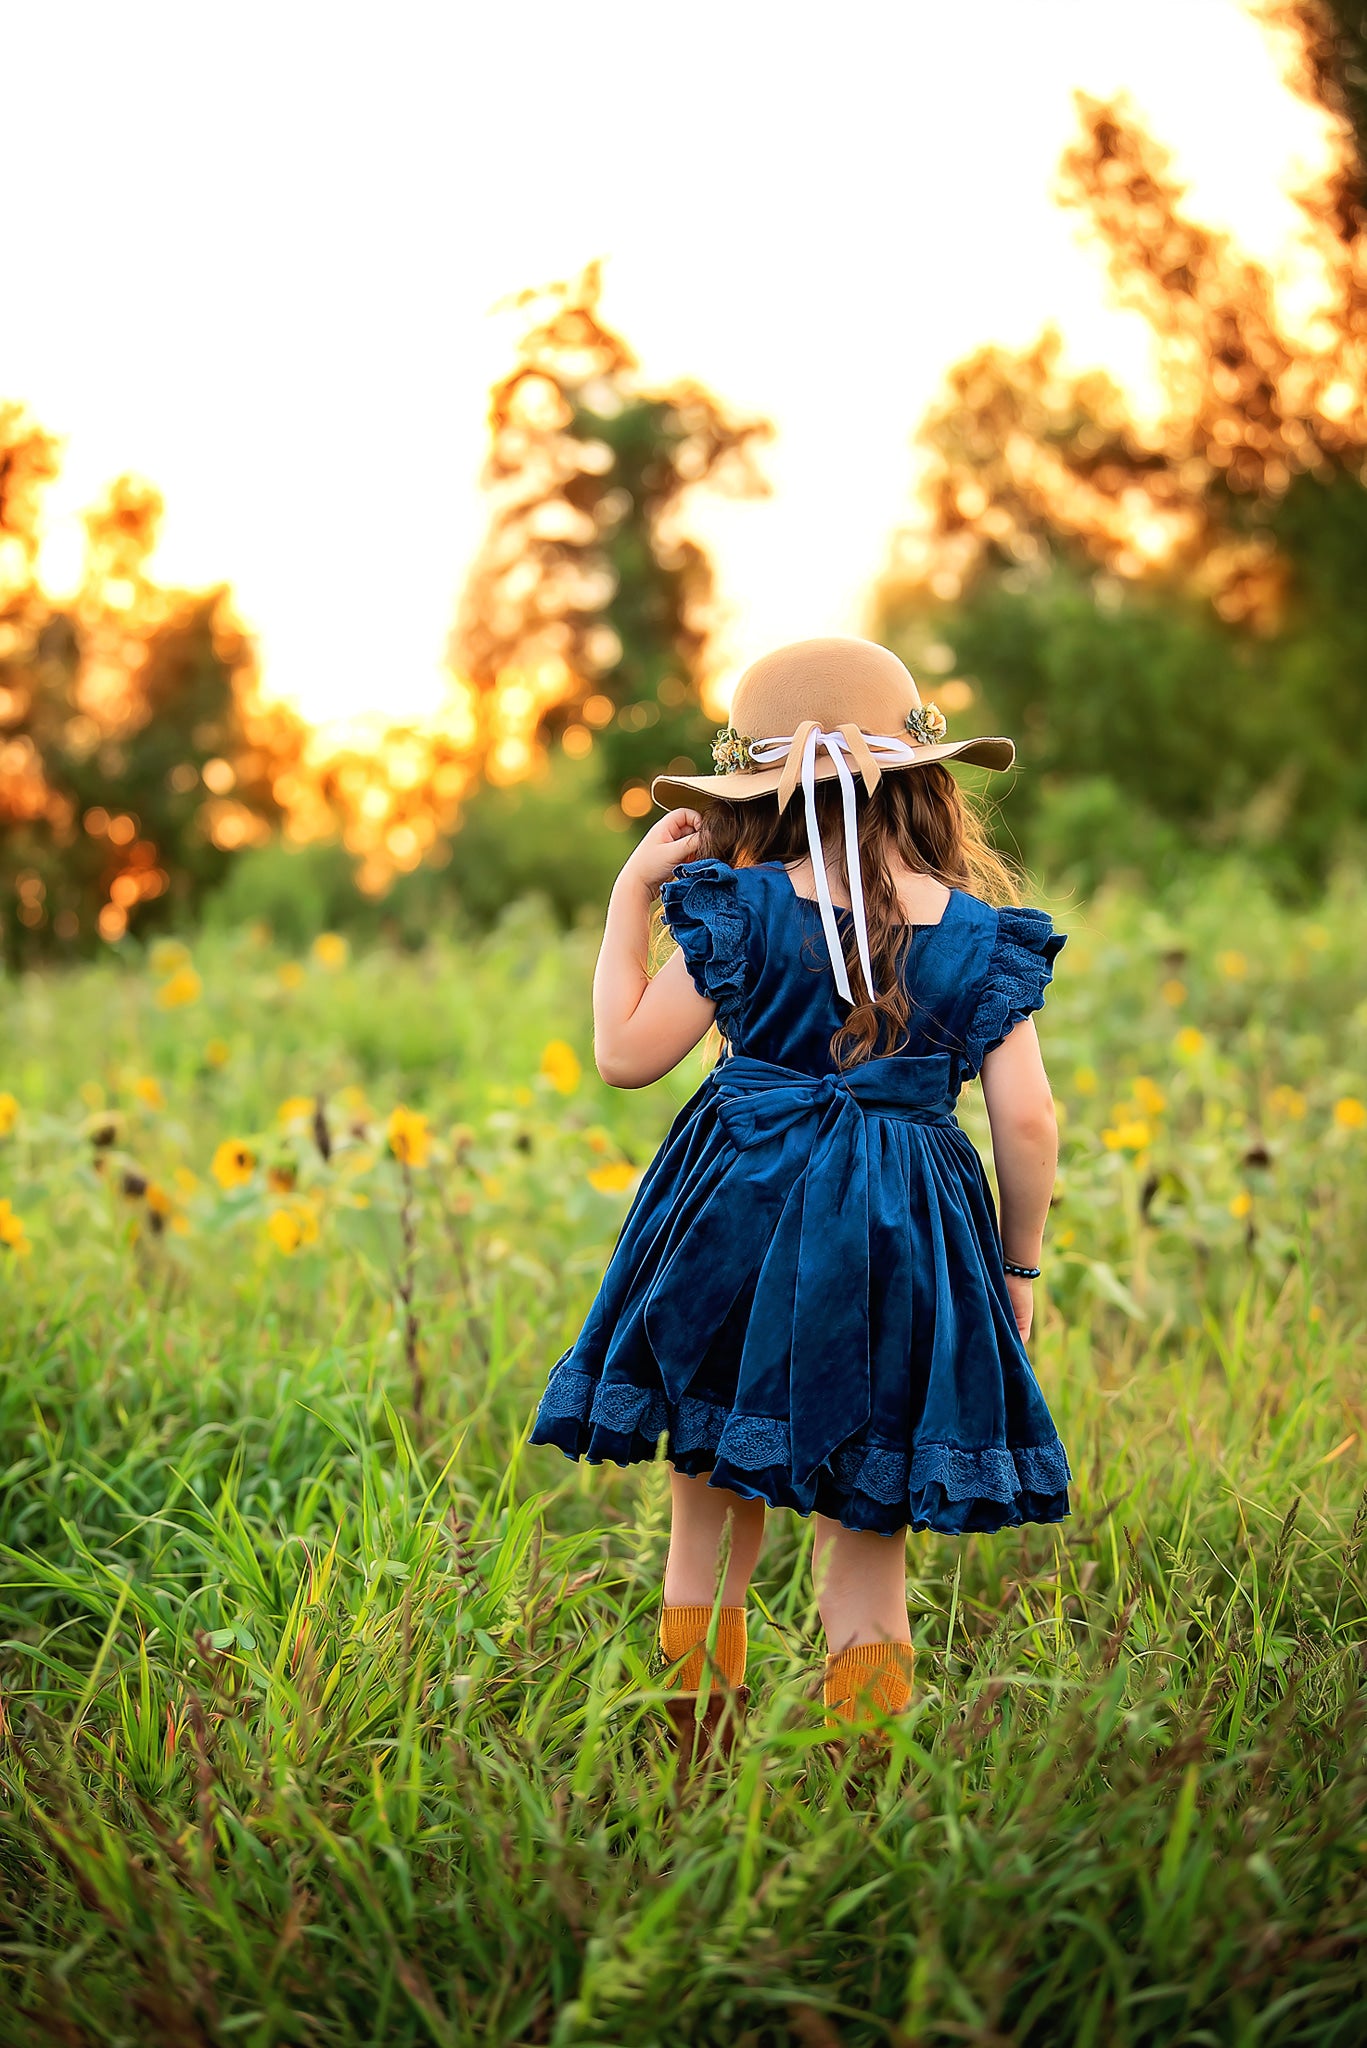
x=234, y=1163
x=330, y=951
x=12, y=1233
x=560, y=1066
x=410, y=1139
x=184, y=987
x=613, y=1178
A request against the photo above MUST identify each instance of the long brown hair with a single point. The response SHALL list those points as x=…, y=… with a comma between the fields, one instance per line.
x=933, y=826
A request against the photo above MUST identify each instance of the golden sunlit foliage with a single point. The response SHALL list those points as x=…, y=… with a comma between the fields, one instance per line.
x=393, y=792
x=135, y=754
x=1167, y=610
x=1026, y=458
x=587, y=613
x=585, y=620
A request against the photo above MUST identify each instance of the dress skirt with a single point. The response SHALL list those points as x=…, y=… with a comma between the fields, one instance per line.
x=808, y=1302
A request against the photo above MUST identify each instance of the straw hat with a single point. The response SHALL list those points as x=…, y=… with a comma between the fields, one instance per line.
x=856, y=698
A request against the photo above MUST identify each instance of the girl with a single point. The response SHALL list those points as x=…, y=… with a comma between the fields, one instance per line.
x=812, y=1298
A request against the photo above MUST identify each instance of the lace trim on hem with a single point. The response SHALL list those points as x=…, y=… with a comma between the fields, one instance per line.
x=760, y=1443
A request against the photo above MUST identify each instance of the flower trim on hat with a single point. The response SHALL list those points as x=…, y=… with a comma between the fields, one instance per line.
x=927, y=724
x=731, y=751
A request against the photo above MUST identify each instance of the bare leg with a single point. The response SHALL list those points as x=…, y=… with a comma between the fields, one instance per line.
x=861, y=1585
x=695, y=1537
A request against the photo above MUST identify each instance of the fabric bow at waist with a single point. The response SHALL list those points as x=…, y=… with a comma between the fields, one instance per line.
x=759, y=1100
x=810, y=1211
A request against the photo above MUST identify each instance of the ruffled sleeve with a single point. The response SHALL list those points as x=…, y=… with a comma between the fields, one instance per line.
x=1019, y=969
x=705, y=911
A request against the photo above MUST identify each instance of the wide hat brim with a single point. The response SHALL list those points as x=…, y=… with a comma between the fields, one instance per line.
x=745, y=784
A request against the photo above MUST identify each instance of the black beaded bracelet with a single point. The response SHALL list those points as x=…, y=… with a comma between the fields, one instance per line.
x=1022, y=1272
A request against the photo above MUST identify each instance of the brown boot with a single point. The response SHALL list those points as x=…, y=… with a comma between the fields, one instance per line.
x=712, y=1733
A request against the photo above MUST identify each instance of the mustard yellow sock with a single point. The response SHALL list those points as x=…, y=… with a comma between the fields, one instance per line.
x=869, y=1675
x=685, y=1629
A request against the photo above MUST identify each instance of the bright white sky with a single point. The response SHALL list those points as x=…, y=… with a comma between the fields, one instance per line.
x=252, y=252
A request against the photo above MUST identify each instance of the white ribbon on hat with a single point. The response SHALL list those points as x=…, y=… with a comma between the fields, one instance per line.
x=868, y=749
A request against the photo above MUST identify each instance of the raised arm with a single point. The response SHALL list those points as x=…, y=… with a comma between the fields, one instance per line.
x=644, y=1025
x=1020, y=1109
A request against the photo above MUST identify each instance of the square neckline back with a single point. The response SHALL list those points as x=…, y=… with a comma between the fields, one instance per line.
x=843, y=909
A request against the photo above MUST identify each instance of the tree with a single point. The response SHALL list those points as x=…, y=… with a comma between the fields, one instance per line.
x=587, y=612
x=1172, y=608
x=135, y=754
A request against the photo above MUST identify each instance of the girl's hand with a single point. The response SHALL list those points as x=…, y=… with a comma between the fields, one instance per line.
x=1022, y=1293
x=673, y=840
x=643, y=1024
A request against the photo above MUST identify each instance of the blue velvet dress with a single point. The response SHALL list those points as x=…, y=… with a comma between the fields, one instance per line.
x=807, y=1298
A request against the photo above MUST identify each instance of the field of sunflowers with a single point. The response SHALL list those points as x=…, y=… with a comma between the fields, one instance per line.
x=328, y=1707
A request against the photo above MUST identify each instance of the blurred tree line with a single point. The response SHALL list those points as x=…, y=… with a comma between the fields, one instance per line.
x=1167, y=612
x=579, y=656
x=1169, y=615
x=135, y=757
x=587, y=614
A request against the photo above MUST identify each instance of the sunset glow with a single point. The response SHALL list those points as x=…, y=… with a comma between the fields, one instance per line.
x=266, y=252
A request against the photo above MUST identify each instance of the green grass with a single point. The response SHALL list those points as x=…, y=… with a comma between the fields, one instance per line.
x=329, y=1705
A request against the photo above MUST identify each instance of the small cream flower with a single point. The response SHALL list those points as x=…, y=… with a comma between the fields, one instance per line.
x=927, y=725
x=731, y=751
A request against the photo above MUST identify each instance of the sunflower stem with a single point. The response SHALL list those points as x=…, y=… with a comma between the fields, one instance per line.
x=412, y=1351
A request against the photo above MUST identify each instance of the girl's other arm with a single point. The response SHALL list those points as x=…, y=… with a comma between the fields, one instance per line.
x=1020, y=1109
x=643, y=1026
